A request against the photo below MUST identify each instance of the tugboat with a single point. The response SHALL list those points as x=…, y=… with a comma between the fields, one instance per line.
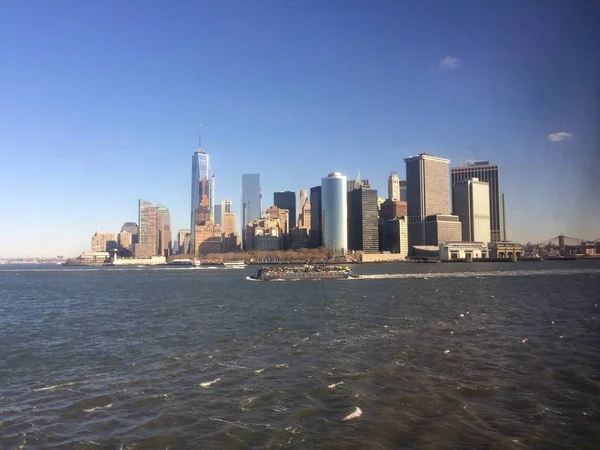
x=307, y=272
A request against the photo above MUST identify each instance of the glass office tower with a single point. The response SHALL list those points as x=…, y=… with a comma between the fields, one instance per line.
x=334, y=210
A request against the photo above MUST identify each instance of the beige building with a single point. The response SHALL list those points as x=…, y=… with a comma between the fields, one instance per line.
x=394, y=187
x=147, y=245
x=104, y=242
x=428, y=194
x=442, y=228
x=208, y=238
x=305, y=211
x=231, y=240
x=125, y=240
x=502, y=250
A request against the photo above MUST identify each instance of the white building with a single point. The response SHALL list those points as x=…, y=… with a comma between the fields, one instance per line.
x=334, y=209
x=468, y=251
x=394, y=187
x=471, y=202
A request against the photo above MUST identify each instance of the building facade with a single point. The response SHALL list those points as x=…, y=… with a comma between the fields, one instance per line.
x=403, y=190
x=442, y=228
x=209, y=239
x=471, y=203
x=251, y=197
x=392, y=208
x=148, y=230
x=165, y=240
x=489, y=173
x=132, y=228
x=453, y=251
x=397, y=232
x=363, y=230
x=231, y=240
x=184, y=238
x=104, y=242
x=334, y=211
x=316, y=238
x=428, y=193
x=304, y=218
x=393, y=187
x=287, y=200
x=202, y=191
x=125, y=241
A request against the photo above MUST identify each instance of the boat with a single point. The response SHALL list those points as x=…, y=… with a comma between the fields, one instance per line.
x=181, y=262
x=306, y=272
x=235, y=265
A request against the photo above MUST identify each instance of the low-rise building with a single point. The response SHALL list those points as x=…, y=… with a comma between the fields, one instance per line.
x=442, y=228
x=453, y=251
x=501, y=250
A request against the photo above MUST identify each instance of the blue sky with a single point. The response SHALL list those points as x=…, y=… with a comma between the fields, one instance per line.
x=100, y=104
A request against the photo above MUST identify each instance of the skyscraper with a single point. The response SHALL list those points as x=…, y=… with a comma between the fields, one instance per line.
x=363, y=230
x=202, y=191
x=132, y=228
x=334, y=209
x=287, y=200
x=428, y=192
x=403, y=197
x=251, y=196
x=304, y=218
x=393, y=187
x=165, y=243
x=484, y=171
x=471, y=203
x=148, y=230
x=316, y=217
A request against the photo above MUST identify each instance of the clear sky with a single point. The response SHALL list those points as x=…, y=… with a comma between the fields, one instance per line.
x=100, y=104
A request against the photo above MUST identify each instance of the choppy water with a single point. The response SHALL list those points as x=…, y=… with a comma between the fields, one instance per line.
x=489, y=355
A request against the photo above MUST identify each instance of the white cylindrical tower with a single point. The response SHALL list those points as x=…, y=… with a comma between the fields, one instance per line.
x=334, y=209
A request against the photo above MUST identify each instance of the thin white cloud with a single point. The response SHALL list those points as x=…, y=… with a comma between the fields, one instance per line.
x=554, y=137
x=449, y=63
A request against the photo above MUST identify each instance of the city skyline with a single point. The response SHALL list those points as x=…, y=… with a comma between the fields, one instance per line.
x=98, y=102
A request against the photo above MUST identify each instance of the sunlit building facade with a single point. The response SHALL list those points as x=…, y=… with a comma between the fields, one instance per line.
x=334, y=210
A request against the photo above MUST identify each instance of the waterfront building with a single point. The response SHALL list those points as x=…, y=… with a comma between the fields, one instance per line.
x=393, y=187
x=392, y=208
x=266, y=233
x=104, y=242
x=202, y=206
x=442, y=228
x=209, y=238
x=165, y=240
x=148, y=230
x=500, y=250
x=451, y=251
x=489, y=173
x=251, y=197
x=428, y=194
x=363, y=231
x=283, y=218
x=334, y=210
x=287, y=200
x=471, y=203
x=125, y=240
x=316, y=238
x=304, y=218
x=132, y=228
x=397, y=234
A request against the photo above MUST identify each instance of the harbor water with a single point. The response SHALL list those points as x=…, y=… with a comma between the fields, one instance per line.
x=495, y=355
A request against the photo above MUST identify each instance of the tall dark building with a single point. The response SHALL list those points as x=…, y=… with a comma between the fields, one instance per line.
x=363, y=228
x=316, y=218
x=287, y=200
x=487, y=172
